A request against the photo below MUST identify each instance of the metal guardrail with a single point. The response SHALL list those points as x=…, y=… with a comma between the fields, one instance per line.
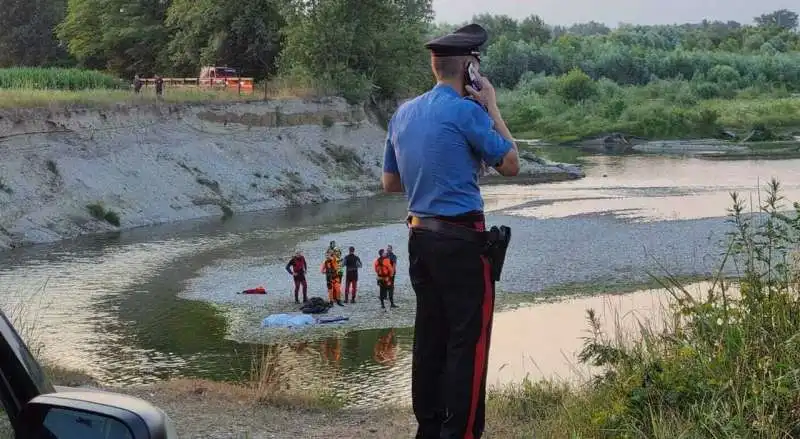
x=239, y=84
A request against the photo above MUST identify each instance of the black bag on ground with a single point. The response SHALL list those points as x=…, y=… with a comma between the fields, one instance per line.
x=315, y=305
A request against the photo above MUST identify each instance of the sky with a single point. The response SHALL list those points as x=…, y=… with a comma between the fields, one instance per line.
x=612, y=12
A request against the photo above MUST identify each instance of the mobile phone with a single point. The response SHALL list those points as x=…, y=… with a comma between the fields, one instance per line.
x=472, y=77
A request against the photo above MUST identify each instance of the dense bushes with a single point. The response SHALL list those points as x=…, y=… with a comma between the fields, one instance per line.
x=573, y=106
x=679, y=81
x=506, y=62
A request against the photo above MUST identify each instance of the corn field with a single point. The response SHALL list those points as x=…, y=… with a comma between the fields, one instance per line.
x=33, y=78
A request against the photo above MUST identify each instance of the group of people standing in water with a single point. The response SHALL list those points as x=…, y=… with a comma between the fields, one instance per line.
x=335, y=268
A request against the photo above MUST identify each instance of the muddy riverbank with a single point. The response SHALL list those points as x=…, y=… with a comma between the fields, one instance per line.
x=75, y=171
x=788, y=147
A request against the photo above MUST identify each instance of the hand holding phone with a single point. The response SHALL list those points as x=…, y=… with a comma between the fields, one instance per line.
x=481, y=89
x=473, y=78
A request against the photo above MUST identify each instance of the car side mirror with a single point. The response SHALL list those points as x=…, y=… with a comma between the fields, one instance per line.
x=93, y=415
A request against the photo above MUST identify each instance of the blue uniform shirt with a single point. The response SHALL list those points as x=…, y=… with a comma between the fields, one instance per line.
x=436, y=142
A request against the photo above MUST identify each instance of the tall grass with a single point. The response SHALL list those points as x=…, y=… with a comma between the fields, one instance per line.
x=24, y=310
x=37, y=94
x=726, y=365
x=267, y=385
x=36, y=78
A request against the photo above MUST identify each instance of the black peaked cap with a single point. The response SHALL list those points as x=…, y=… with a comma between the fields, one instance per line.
x=464, y=41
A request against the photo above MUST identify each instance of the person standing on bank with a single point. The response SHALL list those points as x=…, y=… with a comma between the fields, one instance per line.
x=436, y=146
x=385, y=274
x=393, y=259
x=351, y=263
x=298, y=268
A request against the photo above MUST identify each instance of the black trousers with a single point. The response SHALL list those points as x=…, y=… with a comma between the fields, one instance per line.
x=455, y=302
x=385, y=290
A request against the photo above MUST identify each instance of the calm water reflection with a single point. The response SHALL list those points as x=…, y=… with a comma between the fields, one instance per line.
x=649, y=188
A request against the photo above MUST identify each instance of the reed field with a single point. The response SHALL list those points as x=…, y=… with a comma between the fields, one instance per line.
x=34, y=78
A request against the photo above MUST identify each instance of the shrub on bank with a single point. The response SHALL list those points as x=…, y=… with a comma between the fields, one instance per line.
x=726, y=366
x=573, y=106
x=35, y=78
x=99, y=212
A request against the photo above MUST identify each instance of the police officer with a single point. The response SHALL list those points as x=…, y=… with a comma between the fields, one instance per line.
x=436, y=146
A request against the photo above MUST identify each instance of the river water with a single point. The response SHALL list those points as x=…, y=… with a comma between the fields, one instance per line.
x=159, y=302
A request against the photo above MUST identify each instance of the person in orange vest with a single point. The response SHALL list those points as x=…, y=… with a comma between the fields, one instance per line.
x=385, y=272
x=333, y=278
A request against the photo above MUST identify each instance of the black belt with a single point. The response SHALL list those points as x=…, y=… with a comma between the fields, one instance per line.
x=447, y=228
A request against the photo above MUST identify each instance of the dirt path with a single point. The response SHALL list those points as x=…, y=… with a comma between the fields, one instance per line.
x=218, y=410
x=208, y=411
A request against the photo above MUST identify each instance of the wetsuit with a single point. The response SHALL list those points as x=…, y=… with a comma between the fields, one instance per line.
x=333, y=280
x=351, y=263
x=393, y=259
x=385, y=273
x=297, y=267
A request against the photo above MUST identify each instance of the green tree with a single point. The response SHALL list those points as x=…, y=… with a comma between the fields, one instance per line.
x=123, y=36
x=576, y=86
x=497, y=26
x=506, y=61
x=589, y=29
x=534, y=30
x=217, y=32
x=436, y=30
x=27, y=35
x=360, y=47
x=783, y=18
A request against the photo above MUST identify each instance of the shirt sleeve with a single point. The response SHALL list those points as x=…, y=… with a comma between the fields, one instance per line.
x=389, y=157
x=478, y=127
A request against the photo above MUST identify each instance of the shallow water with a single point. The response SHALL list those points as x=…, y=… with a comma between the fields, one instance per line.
x=649, y=188
x=116, y=305
x=539, y=341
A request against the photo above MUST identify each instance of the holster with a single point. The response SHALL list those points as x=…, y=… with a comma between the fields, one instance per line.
x=494, y=242
x=497, y=241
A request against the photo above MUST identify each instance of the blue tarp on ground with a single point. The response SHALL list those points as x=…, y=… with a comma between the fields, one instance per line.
x=287, y=320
